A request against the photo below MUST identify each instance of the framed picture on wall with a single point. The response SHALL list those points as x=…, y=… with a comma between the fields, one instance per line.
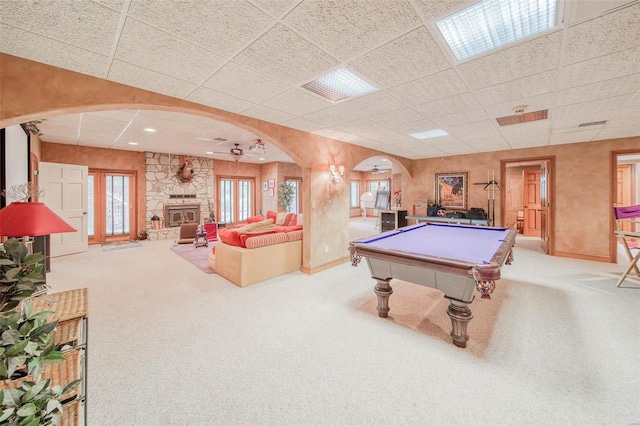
x=272, y=183
x=452, y=190
x=270, y=192
x=265, y=185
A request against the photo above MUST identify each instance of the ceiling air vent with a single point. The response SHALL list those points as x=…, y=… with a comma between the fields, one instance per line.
x=593, y=123
x=523, y=118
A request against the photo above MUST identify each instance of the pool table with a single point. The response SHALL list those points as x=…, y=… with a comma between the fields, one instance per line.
x=455, y=259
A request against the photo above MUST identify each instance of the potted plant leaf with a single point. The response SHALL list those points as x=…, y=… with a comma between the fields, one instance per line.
x=286, y=192
x=26, y=342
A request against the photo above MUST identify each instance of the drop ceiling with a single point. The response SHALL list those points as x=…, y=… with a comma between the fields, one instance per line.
x=251, y=57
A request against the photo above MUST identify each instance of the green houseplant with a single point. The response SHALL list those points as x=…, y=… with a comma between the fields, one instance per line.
x=286, y=191
x=26, y=342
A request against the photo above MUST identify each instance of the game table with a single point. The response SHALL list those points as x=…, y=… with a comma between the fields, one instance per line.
x=455, y=259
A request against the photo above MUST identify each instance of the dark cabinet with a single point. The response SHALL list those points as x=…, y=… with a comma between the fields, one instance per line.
x=392, y=219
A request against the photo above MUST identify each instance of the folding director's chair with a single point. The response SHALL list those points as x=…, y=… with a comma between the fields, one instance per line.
x=630, y=238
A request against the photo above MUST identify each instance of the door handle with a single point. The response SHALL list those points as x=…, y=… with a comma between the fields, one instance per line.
x=84, y=212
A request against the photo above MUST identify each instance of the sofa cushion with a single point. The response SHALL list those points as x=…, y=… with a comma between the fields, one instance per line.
x=290, y=220
x=256, y=241
x=229, y=236
x=282, y=228
x=280, y=218
x=256, y=218
x=294, y=235
x=258, y=227
x=272, y=215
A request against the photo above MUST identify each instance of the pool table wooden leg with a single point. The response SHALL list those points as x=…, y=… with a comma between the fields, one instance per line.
x=460, y=315
x=383, y=290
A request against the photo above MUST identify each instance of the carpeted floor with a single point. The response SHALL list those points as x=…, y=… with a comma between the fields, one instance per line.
x=118, y=245
x=198, y=256
x=558, y=344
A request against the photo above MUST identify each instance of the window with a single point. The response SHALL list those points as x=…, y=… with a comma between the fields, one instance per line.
x=236, y=199
x=295, y=206
x=354, y=194
x=378, y=185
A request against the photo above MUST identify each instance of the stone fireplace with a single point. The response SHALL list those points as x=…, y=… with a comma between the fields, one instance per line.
x=177, y=214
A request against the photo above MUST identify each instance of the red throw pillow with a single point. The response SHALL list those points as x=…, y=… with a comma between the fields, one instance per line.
x=229, y=236
x=291, y=219
x=253, y=219
x=272, y=215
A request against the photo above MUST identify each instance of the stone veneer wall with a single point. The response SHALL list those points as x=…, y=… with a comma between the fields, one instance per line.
x=161, y=181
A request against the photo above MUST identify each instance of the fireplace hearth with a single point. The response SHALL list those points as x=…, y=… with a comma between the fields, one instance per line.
x=177, y=214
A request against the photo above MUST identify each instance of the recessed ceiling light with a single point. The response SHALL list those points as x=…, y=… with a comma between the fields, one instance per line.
x=133, y=143
x=209, y=152
x=339, y=84
x=489, y=24
x=149, y=129
x=384, y=159
x=261, y=158
x=428, y=134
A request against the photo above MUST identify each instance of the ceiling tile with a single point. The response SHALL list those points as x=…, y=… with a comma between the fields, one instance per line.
x=332, y=116
x=521, y=60
x=274, y=8
x=533, y=103
x=209, y=97
x=170, y=55
x=303, y=124
x=521, y=88
x=602, y=89
x=399, y=116
x=592, y=110
x=608, y=33
x=244, y=83
x=406, y=58
x=296, y=102
x=572, y=137
x=31, y=46
x=345, y=29
x=451, y=145
x=283, y=54
x=603, y=68
x=387, y=136
x=92, y=123
x=93, y=24
x=338, y=135
x=529, y=141
x=436, y=9
x=358, y=126
x=376, y=103
x=486, y=141
x=122, y=72
x=440, y=85
x=264, y=113
x=618, y=132
x=461, y=118
x=539, y=129
x=478, y=126
x=224, y=27
x=445, y=106
x=414, y=126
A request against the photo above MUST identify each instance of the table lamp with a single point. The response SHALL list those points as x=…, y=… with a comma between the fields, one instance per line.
x=22, y=219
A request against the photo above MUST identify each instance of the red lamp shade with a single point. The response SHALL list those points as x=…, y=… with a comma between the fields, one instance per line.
x=33, y=219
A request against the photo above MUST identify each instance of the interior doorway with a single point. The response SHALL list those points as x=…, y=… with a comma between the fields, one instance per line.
x=526, y=198
x=626, y=191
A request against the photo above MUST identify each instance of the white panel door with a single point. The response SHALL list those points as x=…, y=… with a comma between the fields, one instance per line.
x=66, y=194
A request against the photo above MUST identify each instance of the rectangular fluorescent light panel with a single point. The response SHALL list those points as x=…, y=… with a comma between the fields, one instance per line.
x=489, y=24
x=339, y=84
x=428, y=134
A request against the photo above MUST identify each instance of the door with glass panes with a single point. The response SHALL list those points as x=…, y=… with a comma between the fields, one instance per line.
x=236, y=199
x=111, y=206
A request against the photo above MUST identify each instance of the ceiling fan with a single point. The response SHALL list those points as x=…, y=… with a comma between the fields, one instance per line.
x=236, y=152
x=376, y=170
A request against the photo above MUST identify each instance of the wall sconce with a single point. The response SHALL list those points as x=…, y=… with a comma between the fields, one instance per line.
x=335, y=176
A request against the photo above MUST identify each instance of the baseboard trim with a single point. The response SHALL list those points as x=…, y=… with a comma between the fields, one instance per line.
x=311, y=271
x=605, y=259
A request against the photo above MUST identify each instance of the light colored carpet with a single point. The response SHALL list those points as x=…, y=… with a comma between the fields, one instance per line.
x=558, y=344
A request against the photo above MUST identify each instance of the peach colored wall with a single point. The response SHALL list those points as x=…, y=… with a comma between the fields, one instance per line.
x=106, y=159
x=582, y=213
x=269, y=203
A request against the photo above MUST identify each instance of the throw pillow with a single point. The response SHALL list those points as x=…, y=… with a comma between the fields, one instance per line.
x=272, y=215
x=290, y=219
x=280, y=218
x=257, y=218
x=229, y=236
